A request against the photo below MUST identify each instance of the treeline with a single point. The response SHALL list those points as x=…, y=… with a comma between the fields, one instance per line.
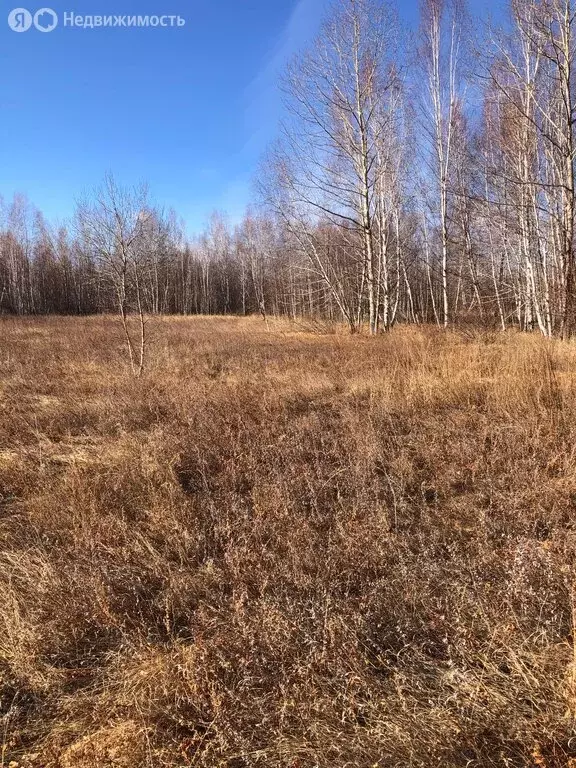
x=243, y=269
x=425, y=177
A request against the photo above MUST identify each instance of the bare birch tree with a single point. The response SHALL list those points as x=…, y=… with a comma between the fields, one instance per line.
x=339, y=95
x=441, y=51
x=114, y=225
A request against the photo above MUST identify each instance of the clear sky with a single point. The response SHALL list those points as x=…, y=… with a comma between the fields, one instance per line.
x=189, y=110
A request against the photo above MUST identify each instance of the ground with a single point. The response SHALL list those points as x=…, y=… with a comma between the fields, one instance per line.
x=285, y=546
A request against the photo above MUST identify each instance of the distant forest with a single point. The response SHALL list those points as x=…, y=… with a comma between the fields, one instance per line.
x=421, y=176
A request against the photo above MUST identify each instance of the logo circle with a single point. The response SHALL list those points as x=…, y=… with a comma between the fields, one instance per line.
x=20, y=20
x=45, y=20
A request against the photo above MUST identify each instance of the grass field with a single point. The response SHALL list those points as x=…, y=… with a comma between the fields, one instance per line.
x=287, y=548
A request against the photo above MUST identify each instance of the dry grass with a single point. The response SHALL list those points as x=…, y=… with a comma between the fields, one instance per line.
x=284, y=548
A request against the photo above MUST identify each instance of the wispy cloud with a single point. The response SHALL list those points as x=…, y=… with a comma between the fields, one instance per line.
x=262, y=96
x=262, y=113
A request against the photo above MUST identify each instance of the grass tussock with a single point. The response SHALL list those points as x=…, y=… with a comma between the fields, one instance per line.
x=286, y=548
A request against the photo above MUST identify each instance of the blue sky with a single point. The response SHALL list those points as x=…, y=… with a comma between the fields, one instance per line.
x=189, y=110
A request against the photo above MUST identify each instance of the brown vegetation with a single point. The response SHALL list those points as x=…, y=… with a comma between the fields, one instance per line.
x=285, y=548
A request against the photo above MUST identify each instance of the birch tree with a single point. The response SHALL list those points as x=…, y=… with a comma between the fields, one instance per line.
x=114, y=226
x=531, y=71
x=441, y=29
x=339, y=95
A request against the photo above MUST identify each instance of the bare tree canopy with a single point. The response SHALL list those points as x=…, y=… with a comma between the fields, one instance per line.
x=411, y=182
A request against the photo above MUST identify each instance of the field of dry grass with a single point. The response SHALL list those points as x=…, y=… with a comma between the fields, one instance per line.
x=285, y=548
